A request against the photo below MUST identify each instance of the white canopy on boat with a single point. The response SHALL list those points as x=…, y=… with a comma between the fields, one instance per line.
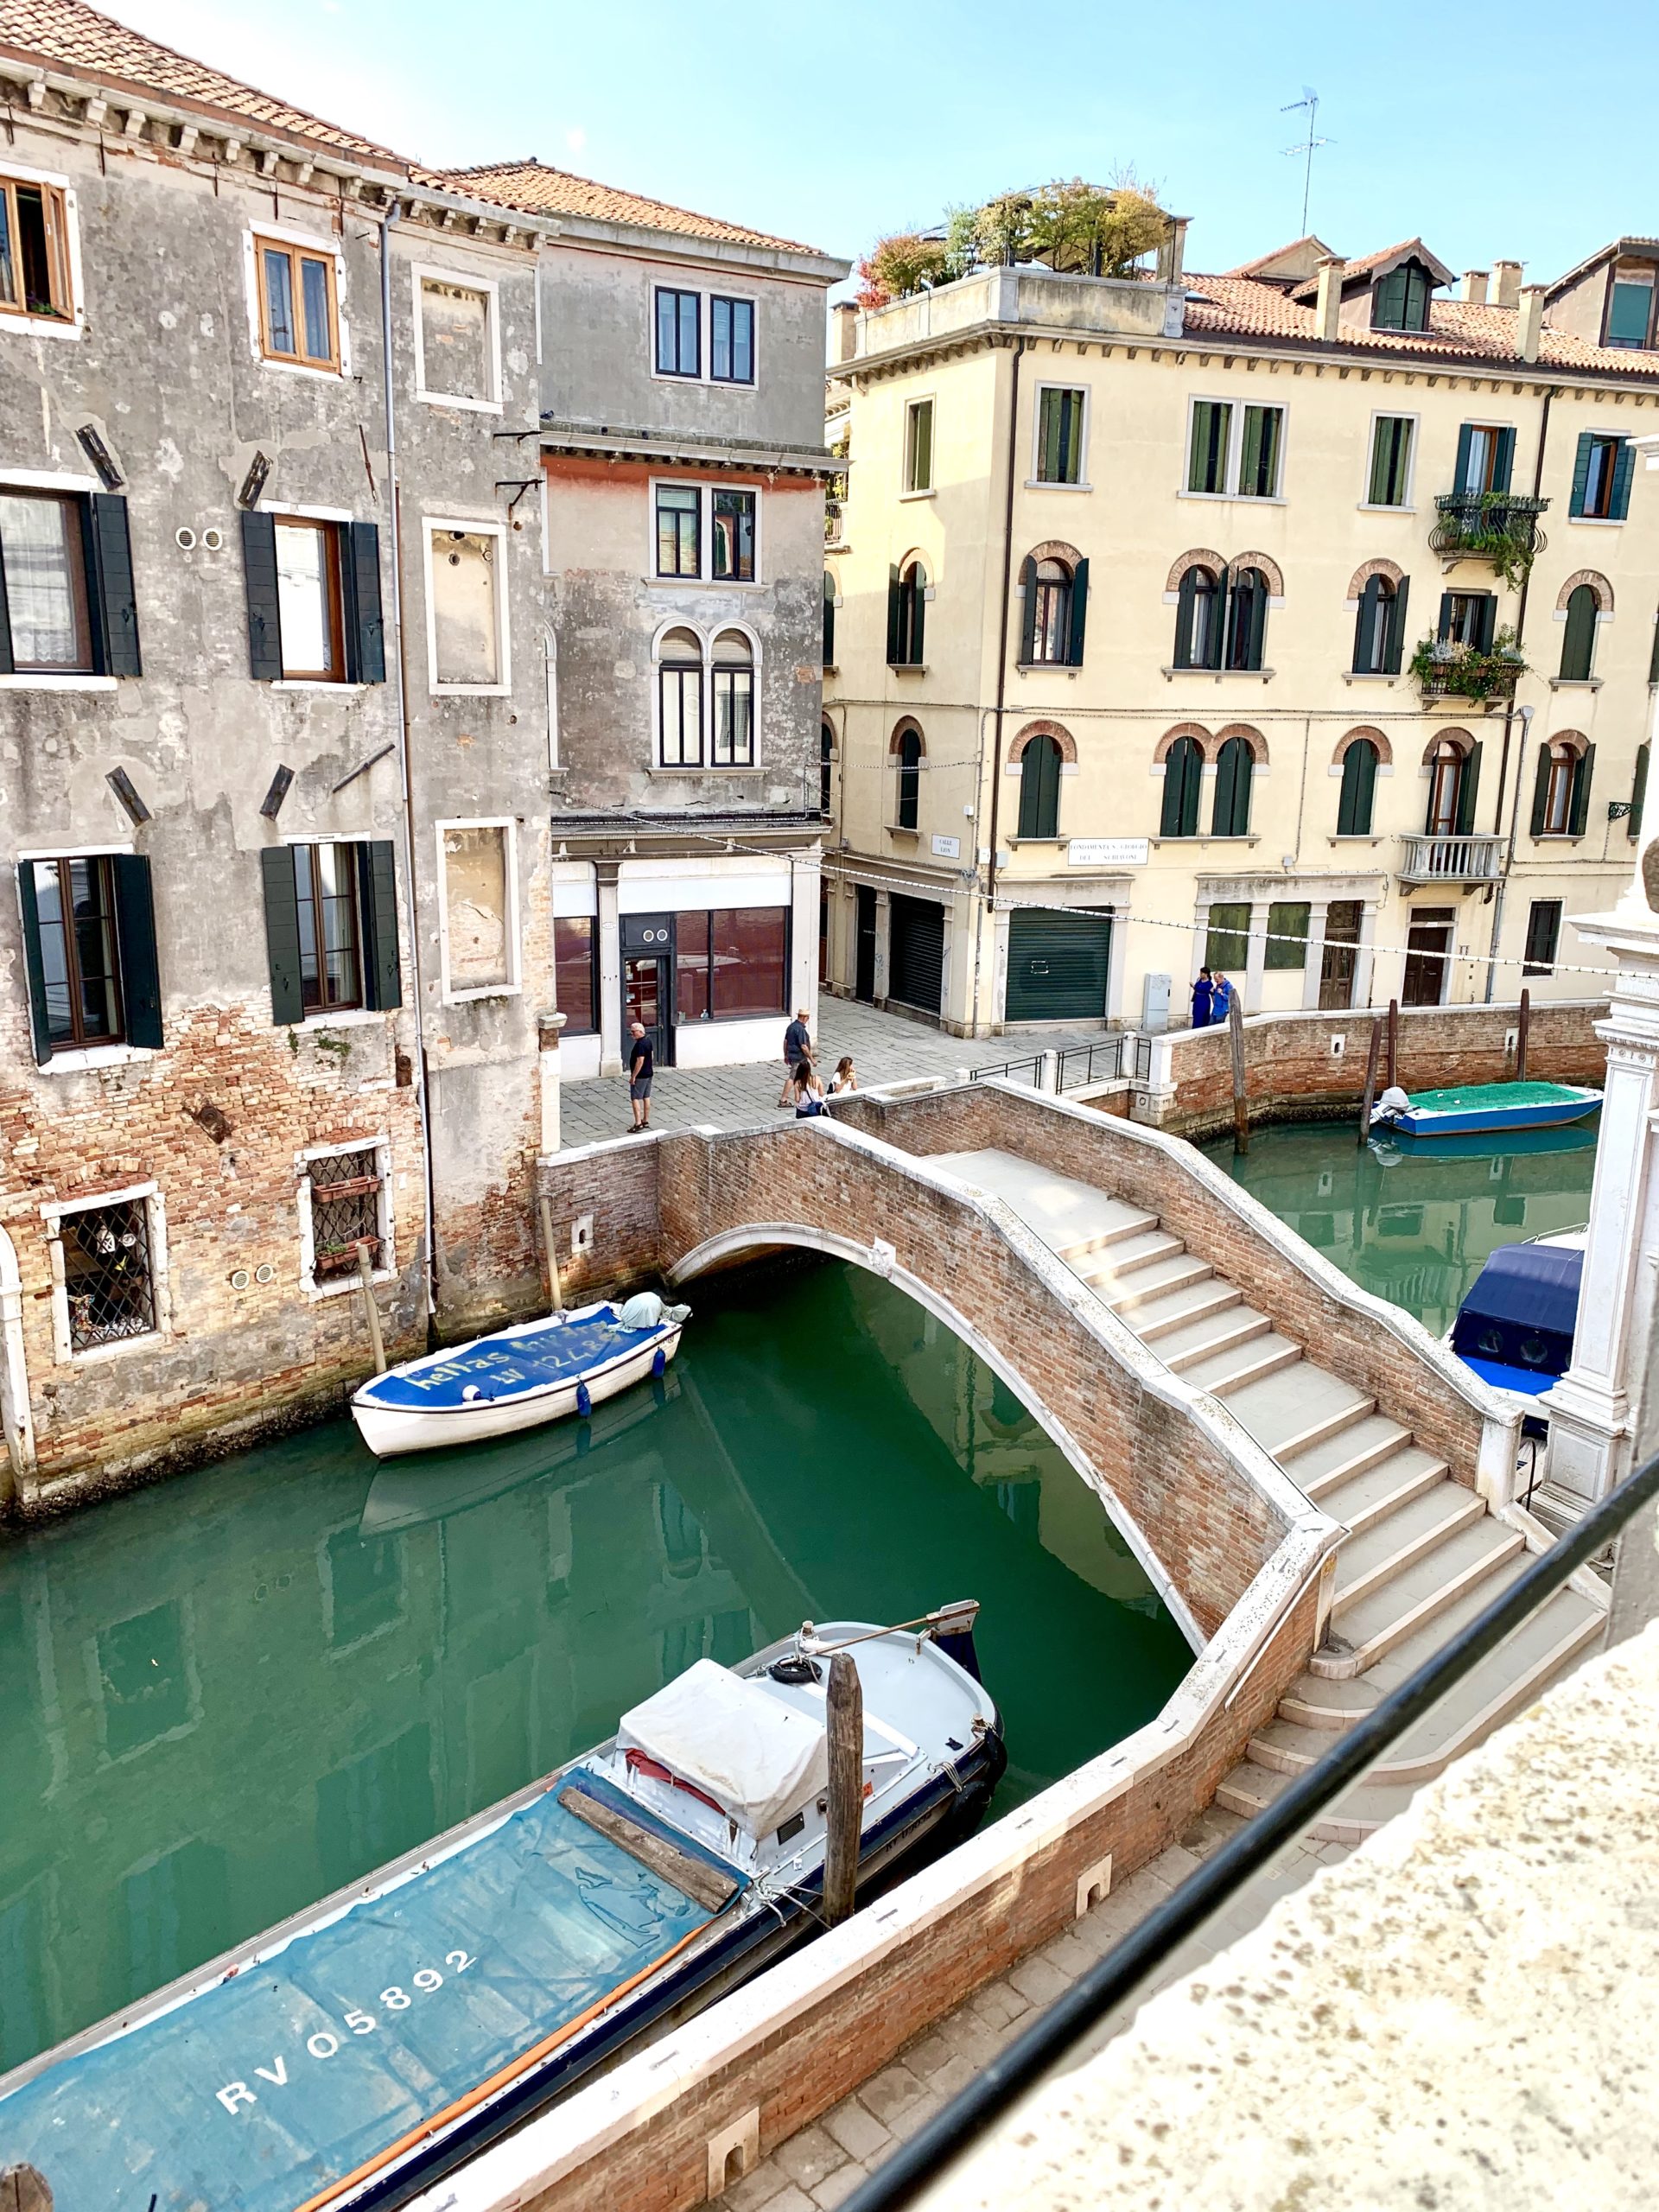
x=756, y=1757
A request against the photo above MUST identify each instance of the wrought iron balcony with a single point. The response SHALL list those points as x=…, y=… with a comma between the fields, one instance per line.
x=1467, y=859
x=1501, y=527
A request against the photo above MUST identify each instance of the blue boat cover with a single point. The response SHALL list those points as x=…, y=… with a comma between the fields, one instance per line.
x=1523, y=1310
x=1526, y=1384
x=259, y=2094
x=506, y=1365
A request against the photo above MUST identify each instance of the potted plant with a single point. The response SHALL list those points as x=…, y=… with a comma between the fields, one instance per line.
x=1444, y=669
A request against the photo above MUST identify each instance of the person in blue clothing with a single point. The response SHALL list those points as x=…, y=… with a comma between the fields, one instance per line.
x=1201, y=997
x=1221, y=997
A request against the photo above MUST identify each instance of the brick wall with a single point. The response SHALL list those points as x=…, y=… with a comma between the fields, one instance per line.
x=615, y=1186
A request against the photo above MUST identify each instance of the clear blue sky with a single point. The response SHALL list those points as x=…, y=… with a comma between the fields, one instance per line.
x=1524, y=131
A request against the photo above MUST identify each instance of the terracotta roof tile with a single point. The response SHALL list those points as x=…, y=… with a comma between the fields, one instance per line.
x=79, y=40
x=539, y=190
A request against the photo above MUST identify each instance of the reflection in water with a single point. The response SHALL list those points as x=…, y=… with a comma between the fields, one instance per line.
x=235, y=1691
x=1414, y=1221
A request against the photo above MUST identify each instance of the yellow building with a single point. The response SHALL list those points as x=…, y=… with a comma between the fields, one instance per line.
x=1153, y=610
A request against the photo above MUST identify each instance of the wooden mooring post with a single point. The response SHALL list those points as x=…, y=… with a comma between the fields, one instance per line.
x=1374, y=1053
x=554, y=1287
x=1394, y=1044
x=1523, y=1025
x=1241, y=1103
x=365, y=1281
x=845, y=1701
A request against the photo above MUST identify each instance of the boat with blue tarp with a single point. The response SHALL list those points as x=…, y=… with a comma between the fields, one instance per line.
x=370, y=2045
x=1515, y=1328
x=1483, y=1108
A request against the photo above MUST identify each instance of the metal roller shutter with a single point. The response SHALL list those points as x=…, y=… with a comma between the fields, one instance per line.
x=1057, y=967
x=916, y=954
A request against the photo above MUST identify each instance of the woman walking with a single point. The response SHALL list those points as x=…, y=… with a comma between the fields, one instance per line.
x=1202, y=994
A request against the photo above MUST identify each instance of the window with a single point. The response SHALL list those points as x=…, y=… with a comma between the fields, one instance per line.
x=918, y=446
x=68, y=606
x=1601, y=478
x=575, y=953
x=1288, y=933
x=457, y=345
x=109, y=1279
x=1234, y=766
x=906, y=615
x=1453, y=774
x=331, y=928
x=733, y=537
x=1213, y=467
x=1578, y=637
x=313, y=600
x=480, y=907
x=828, y=620
x=679, y=699
x=1485, y=458
x=733, y=661
x=678, y=317
x=731, y=965
x=34, y=270
x=347, y=1195
x=1561, y=794
x=1357, y=799
x=1543, y=936
x=1183, y=780
x=1258, y=462
x=909, y=752
x=1379, y=626
x=1247, y=620
x=467, y=644
x=1056, y=606
x=1212, y=434
x=826, y=760
x=1198, y=618
x=89, y=950
x=1630, y=311
x=1059, y=436
x=1400, y=300
x=298, y=311
x=1040, y=788
x=1227, y=942
x=1389, y=483
x=731, y=340
x=1468, y=618
x=679, y=538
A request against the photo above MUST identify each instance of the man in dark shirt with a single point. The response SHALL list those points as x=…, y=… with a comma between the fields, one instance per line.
x=797, y=1047
x=642, y=1064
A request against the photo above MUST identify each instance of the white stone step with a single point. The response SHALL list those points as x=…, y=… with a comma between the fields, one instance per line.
x=1316, y=1701
x=1249, y=1789
x=1285, y=1412
x=1375, y=1623
x=1226, y=1372
x=1390, y=1546
x=1347, y=1451
x=1359, y=1500
x=1185, y=1346
x=1107, y=1232
x=1110, y=1262
x=1162, y=1315
x=1162, y=1276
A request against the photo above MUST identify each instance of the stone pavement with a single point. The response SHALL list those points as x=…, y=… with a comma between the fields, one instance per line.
x=887, y=1048
x=824, y=2161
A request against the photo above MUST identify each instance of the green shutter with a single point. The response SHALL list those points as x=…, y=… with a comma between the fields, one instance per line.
x=1653, y=654
x=377, y=875
x=1443, y=632
x=1468, y=784
x=1394, y=644
x=1287, y=934
x=1465, y=440
x=1040, y=788
x=1638, y=792
x=1028, y=614
x=1504, y=460
x=33, y=968
x=1256, y=639
x=367, y=638
x=918, y=619
x=1541, y=792
x=1622, y=471
x=1578, y=814
x=1219, y=627
x=1183, y=774
x=135, y=929
x=1079, y=614
x=114, y=600
x=1058, y=966
x=1381, y=457
x=1231, y=816
x=1488, y=627
x=1579, y=638
x=264, y=617
x=283, y=935
x=1207, y=467
x=828, y=622
x=1251, y=454
x=1227, y=942
x=1363, y=626
x=1355, y=804
x=1186, y=603
x=892, y=617
x=7, y=667
x=1581, y=472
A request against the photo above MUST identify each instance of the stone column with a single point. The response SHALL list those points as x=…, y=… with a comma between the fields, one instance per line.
x=548, y=1027
x=1365, y=960
x=1255, y=955
x=803, y=881
x=883, y=932
x=610, y=967
x=1318, y=914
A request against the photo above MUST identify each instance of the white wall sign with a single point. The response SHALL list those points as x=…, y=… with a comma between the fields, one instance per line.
x=1108, y=852
x=947, y=848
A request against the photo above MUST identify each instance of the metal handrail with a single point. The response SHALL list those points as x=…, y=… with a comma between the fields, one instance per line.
x=1127, y=1965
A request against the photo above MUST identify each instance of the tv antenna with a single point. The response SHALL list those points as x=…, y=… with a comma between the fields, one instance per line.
x=1307, y=147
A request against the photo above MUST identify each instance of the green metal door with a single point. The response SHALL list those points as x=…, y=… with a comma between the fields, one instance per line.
x=1057, y=966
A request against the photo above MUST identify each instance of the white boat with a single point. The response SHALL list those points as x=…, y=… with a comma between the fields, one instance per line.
x=518, y=1377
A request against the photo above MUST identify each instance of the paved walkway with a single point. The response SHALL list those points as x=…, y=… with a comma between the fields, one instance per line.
x=887, y=1047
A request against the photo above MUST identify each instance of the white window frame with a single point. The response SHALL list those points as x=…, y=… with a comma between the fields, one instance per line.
x=723, y=384
x=454, y=995
x=1033, y=481
x=1409, y=506
x=705, y=637
x=424, y=271
x=472, y=526
x=309, y=242
x=705, y=491
x=43, y=326
x=1237, y=403
x=907, y=491
x=387, y=1272
x=149, y=1196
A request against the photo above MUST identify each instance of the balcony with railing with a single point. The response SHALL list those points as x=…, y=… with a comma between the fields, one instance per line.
x=1501, y=527
x=1443, y=669
x=1461, y=858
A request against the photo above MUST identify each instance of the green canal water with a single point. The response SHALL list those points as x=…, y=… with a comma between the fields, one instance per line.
x=1414, y=1222
x=229, y=1694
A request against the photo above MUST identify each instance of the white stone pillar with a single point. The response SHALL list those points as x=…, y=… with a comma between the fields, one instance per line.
x=1256, y=956
x=804, y=879
x=18, y=1457
x=1318, y=913
x=1364, y=960
x=883, y=935
x=610, y=969
x=548, y=1027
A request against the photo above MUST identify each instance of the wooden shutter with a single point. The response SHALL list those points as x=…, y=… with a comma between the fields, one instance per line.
x=1503, y=461
x=1488, y=626
x=1394, y=643
x=1355, y=805
x=1182, y=768
x=1638, y=792
x=283, y=935
x=1219, y=627
x=918, y=596
x=1028, y=617
x=1040, y=788
x=376, y=876
x=1443, y=630
x=264, y=617
x=892, y=617
x=828, y=622
x=7, y=667
x=1256, y=639
x=1468, y=784
x=1079, y=614
x=116, y=605
x=1581, y=472
x=1622, y=470
x=1465, y=439
x=1185, y=605
x=1368, y=599
x=1578, y=811
x=1579, y=638
x=366, y=642
x=1541, y=792
x=135, y=930
x=33, y=968
x=1231, y=815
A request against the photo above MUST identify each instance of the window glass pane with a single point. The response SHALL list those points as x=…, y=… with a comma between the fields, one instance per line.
x=680, y=691
x=54, y=952
x=44, y=571
x=678, y=508
x=1059, y=441
x=573, y=972
x=455, y=340
x=677, y=333
x=1543, y=934
x=325, y=883
x=314, y=286
x=747, y=952
x=1630, y=313
x=279, y=301
x=94, y=950
x=1390, y=459
x=731, y=340
x=1212, y=422
x=691, y=970
x=464, y=619
x=734, y=718
x=734, y=536
x=919, y=475
x=1287, y=929
x=8, y=257
x=304, y=600
x=1227, y=941
x=475, y=907
x=1258, y=470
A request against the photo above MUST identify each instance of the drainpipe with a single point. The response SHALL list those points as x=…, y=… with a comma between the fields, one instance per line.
x=1509, y=714
x=1003, y=650
x=423, y=1094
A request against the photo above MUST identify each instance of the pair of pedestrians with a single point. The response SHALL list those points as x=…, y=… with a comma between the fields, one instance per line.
x=1212, y=998
x=802, y=1087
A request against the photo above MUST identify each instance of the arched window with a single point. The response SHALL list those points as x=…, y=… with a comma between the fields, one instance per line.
x=679, y=695
x=1247, y=624
x=734, y=666
x=1578, y=640
x=908, y=748
x=1183, y=779
x=1198, y=618
x=1378, y=627
x=1453, y=774
x=1355, y=805
x=826, y=752
x=1561, y=797
x=1057, y=595
x=828, y=620
x=906, y=614
x=1040, y=788
x=1234, y=764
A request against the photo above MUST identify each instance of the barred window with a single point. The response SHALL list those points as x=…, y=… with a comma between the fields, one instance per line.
x=108, y=1276
x=345, y=1211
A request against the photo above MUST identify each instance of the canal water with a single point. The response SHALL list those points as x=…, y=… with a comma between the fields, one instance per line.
x=225, y=1696
x=1414, y=1222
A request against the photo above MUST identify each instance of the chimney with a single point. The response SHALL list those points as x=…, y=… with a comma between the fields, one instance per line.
x=1172, y=254
x=1329, y=309
x=843, y=339
x=1508, y=293
x=1532, y=322
x=1474, y=286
